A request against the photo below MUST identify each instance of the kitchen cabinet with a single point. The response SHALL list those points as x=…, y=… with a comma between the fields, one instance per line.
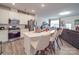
x=30, y=17
x=4, y=16
x=3, y=35
x=23, y=18
x=13, y=15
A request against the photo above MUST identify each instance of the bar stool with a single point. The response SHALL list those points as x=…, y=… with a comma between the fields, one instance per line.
x=55, y=37
x=59, y=35
x=52, y=41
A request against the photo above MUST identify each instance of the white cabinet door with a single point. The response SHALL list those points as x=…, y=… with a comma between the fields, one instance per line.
x=13, y=15
x=31, y=17
x=4, y=16
x=23, y=19
x=3, y=35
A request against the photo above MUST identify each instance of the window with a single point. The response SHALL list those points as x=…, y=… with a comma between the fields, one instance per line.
x=55, y=23
x=68, y=26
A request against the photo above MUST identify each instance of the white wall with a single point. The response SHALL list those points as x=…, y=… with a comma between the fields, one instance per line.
x=39, y=20
x=70, y=20
x=66, y=20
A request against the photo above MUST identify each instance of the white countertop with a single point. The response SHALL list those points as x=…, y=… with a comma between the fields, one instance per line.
x=34, y=34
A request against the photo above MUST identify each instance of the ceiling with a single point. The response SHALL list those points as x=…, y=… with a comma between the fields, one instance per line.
x=50, y=10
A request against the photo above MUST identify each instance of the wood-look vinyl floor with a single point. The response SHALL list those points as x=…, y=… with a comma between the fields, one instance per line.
x=67, y=49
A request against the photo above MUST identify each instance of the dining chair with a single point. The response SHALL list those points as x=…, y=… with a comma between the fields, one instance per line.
x=41, y=44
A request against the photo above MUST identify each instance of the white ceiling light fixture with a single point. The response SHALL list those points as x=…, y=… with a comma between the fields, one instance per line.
x=42, y=5
x=13, y=3
x=33, y=11
x=65, y=13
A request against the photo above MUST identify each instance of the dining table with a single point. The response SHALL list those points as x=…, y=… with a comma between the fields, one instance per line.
x=33, y=36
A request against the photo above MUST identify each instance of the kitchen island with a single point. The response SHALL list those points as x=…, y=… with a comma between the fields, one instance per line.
x=33, y=36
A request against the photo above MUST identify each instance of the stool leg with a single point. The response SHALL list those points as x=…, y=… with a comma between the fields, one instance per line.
x=50, y=47
x=37, y=52
x=42, y=52
x=61, y=41
x=57, y=43
x=53, y=47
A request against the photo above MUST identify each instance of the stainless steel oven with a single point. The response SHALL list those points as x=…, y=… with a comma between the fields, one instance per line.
x=13, y=33
x=14, y=29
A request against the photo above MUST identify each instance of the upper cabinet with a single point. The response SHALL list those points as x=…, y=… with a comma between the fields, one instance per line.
x=23, y=18
x=4, y=16
x=13, y=15
x=30, y=17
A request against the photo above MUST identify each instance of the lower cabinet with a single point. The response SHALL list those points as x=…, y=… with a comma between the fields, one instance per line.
x=3, y=35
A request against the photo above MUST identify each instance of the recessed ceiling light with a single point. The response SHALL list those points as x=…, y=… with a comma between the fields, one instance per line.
x=33, y=10
x=42, y=5
x=64, y=13
x=13, y=3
